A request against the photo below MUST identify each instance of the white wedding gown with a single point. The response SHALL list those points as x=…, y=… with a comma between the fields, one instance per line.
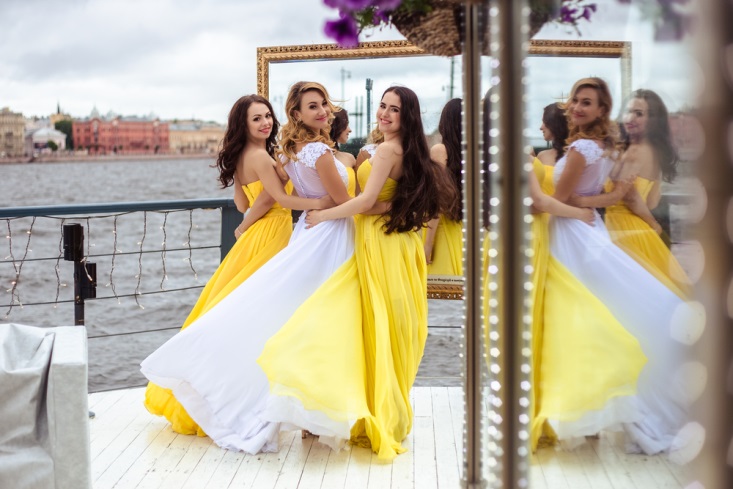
x=225, y=391
x=652, y=313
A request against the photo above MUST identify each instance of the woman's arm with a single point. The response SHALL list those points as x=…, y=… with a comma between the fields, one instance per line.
x=545, y=203
x=620, y=189
x=382, y=165
x=430, y=239
x=574, y=166
x=240, y=200
x=262, y=164
x=330, y=178
x=637, y=205
x=261, y=205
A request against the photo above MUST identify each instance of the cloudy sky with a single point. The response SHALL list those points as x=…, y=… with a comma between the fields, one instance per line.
x=194, y=58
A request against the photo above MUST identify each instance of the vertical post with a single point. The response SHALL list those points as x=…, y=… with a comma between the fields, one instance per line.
x=85, y=274
x=511, y=239
x=369, y=85
x=230, y=219
x=472, y=477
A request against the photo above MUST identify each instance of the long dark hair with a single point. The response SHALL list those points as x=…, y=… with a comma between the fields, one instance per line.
x=235, y=138
x=338, y=125
x=657, y=133
x=450, y=130
x=417, y=197
x=554, y=119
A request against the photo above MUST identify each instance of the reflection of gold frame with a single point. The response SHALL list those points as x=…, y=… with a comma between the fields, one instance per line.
x=396, y=49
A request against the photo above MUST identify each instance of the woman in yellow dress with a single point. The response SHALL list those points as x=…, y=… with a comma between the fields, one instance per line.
x=443, y=236
x=391, y=265
x=246, y=162
x=650, y=155
x=554, y=130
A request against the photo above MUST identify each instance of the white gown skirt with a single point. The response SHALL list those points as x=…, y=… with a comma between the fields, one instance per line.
x=211, y=366
x=657, y=317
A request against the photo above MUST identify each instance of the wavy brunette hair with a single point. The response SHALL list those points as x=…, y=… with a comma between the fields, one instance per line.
x=554, y=119
x=338, y=125
x=235, y=138
x=294, y=132
x=417, y=197
x=450, y=130
x=602, y=128
x=657, y=133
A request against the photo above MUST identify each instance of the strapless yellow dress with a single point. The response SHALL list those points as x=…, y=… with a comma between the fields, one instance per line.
x=630, y=233
x=582, y=357
x=447, y=248
x=263, y=240
x=393, y=280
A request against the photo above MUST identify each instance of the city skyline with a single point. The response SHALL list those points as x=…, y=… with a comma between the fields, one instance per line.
x=194, y=65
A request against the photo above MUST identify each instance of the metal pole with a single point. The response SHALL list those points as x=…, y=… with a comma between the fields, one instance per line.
x=472, y=476
x=230, y=219
x=369, y=85
x=513, y=467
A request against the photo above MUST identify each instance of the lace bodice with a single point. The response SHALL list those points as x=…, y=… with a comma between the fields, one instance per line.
x=302, y=171
x=370, y=148
x=597, y=167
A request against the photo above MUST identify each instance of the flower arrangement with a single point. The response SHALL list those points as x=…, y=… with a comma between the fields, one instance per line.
x=356, y=16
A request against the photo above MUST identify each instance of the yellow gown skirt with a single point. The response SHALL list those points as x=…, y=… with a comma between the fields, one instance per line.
x=263, y=240
x=630, y=233
x=577, y=345
x=447, y=248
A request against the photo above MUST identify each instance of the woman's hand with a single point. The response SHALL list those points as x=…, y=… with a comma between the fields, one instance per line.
x=238, y=231
x=587, y=215
x=313, y=217
x=429, y=253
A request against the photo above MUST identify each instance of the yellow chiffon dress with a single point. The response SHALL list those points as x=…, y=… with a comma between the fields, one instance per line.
x=263, y=240
x=583, y=359
x=630, y=233
x=393, y=282
x=447, y=248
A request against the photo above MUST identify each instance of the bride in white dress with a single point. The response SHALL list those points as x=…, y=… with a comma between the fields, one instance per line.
x=226, y=392
x=647, y=309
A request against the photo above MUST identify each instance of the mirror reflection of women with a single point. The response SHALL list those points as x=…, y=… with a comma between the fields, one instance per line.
x=246, y=161
x=391, y=267
x=226, y=392
x=443, y=236
x=586, y=387
x=650, y=155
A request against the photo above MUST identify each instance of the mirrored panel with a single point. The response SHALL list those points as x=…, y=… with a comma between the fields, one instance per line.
x=609, y=267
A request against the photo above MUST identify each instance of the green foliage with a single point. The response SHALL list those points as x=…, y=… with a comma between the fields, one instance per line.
x=53, y=146
x=66, y=127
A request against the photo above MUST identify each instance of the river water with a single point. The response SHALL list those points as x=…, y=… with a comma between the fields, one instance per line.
x=114, y=353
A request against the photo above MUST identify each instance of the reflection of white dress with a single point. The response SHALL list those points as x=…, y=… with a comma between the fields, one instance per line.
x=224, y=390
x=643, y=305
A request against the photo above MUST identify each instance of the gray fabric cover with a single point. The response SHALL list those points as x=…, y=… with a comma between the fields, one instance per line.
x=44, y=428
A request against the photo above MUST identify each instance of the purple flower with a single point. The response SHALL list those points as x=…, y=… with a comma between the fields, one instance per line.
x=380, y=18
x=588, y=11
x=343, y=31
x=386, y=5
x=567, y=14
x=348, y=5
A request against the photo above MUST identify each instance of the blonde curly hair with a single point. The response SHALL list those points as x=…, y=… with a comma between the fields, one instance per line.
x=602, y=128
x=295, y=132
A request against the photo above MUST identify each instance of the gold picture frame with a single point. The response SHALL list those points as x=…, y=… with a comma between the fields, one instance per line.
x=450, y=288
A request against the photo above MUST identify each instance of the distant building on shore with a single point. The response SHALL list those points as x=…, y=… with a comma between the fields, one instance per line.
x=44, y=140
x=192, y=136
x=115, y=134
x=12, y=132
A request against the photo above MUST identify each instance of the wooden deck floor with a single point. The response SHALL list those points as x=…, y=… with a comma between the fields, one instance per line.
x=133, y=449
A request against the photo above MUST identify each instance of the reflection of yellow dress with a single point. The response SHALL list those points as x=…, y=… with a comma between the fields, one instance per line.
x=630, y=233
x=582, y=357
x=393, y=279
x=263, y=240
x=447, y=248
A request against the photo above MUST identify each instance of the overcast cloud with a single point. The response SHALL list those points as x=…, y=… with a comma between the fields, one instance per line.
x=194, y=58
